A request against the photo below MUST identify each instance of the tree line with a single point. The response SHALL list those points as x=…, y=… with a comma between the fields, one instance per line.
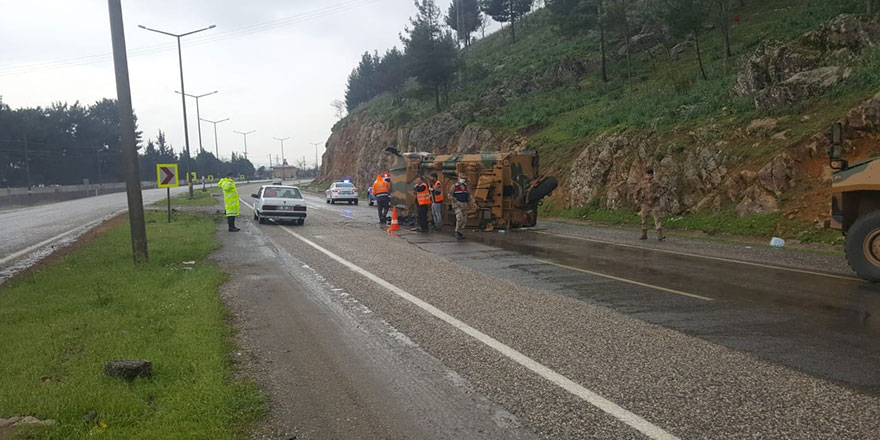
x=433, y=42
x=68, y=144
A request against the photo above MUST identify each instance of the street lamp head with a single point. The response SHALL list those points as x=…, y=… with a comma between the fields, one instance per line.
x=142, y=26
x=212, y=26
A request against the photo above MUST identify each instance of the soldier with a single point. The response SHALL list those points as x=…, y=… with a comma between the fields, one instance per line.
x=460, y=200
x=648, y=196
x=437, y=201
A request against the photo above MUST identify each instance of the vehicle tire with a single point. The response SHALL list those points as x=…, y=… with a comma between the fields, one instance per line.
x=863, y=246
x=371, y=203
x=328, y=200
x=301, y=222
x=332, y=202
x=262, y=221
x=355, y=202
x=256, y=217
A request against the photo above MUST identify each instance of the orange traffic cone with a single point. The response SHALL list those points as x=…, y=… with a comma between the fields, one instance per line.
x=395, y=226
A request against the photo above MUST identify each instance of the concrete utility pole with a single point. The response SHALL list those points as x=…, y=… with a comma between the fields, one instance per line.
x=216, y=144
x=182, y=94
x=245, y=134
x=198, y=113
x=283, y=163
x=129, y=142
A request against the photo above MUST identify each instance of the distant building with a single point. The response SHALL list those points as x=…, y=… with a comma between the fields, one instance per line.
x=284, y=172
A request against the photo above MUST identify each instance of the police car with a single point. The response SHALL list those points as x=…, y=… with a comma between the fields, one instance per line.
x=279, y=203
x=343, y=191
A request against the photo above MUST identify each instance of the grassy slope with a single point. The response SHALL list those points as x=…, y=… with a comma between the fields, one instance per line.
x=666, y=95
x=200, y=198
x=62, y=323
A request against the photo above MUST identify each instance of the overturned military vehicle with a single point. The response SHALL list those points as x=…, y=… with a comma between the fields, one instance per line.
x=505, y=187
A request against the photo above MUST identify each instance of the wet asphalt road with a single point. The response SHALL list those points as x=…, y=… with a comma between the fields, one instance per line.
x=701, y=347
x=25, y=227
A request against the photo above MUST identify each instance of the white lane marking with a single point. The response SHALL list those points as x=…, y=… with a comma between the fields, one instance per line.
x=47, y=241
x=609, y=407
x=624, y=280
x=688, y=254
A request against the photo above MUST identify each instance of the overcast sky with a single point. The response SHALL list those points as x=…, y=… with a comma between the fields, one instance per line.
x=277, y=63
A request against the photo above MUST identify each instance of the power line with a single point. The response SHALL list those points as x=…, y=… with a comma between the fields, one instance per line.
x=220, y=36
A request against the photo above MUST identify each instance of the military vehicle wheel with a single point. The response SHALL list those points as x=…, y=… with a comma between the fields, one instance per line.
x=863, y=247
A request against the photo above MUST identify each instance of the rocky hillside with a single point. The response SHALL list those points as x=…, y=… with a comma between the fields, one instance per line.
x=750, y=140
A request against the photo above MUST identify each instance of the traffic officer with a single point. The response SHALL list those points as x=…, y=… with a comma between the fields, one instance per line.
x=230, y=200
x=437, y=201
x=648, y=196
x=423, y=203
x=382, y=192
x=460, y=199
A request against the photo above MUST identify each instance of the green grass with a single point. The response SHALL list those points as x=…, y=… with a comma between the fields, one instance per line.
x=62, y=323
x=200, y=198
x=722, y=222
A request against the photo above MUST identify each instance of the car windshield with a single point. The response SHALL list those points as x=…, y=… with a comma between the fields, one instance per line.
x=282, y=193
x=345, y=185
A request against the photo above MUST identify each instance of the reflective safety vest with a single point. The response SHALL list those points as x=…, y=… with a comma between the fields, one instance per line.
x=380, y=186
x=424, y=197
x=438, y=192
x=230, y=197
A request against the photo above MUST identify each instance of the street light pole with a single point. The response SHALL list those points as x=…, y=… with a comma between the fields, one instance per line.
x=245, y=134
x=182, y=94
x=127, y=136
x=283, y=164
x=216, y=144
x=316, y=157
x=198, y=114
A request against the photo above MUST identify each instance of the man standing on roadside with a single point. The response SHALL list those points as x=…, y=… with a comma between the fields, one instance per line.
x=648, y=196
x=437, y=201
x=230, y=200
x=460, y=199
x=423, y=203
x=382, y=192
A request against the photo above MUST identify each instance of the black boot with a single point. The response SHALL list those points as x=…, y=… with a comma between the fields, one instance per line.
x=231, y=221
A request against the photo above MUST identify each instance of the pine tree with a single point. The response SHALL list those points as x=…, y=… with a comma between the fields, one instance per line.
x=685, y=18
x=431, y=54
x=465, y=18
x=504, y=11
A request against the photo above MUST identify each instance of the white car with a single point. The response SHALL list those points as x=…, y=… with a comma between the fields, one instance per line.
x=279, y=203
x=343, y=191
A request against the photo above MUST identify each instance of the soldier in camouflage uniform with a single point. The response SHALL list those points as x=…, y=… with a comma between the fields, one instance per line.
x=648, y=196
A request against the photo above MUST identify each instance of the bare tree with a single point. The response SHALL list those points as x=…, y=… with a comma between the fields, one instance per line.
x=339, y=106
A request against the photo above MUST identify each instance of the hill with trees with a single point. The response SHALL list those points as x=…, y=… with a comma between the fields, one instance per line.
x=727, y=100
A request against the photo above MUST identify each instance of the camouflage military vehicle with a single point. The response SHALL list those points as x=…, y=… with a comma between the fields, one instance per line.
x=855, y=208
x=505, y=187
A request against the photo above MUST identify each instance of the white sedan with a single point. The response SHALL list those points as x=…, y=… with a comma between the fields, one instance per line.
x=279, y=203
x=341, y=192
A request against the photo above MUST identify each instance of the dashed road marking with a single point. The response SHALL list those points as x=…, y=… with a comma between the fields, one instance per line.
x=624, y=280
x=622, y=414
x=707, y=257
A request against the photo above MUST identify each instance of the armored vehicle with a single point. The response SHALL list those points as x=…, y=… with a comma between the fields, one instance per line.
x=855, y=208
x=505, y=187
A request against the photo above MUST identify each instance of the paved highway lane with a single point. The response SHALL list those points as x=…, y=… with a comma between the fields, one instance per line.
x=27, y=230
x=573, y=350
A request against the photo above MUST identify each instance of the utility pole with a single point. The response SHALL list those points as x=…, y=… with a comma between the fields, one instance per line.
x=198, y=113
x=283, y=162
x=27, y=162
x=182, y=95
x=129, y=143
x=245, y=134
x=216, y=144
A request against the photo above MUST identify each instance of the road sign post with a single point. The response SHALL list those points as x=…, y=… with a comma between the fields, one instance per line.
x=167, y=177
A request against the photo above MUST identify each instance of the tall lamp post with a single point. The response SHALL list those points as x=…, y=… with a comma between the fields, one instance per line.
x=283, y=164
x=198, y=113
x=216, y=144
x=316, y=157
x=244, y=134
x=182, y=93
